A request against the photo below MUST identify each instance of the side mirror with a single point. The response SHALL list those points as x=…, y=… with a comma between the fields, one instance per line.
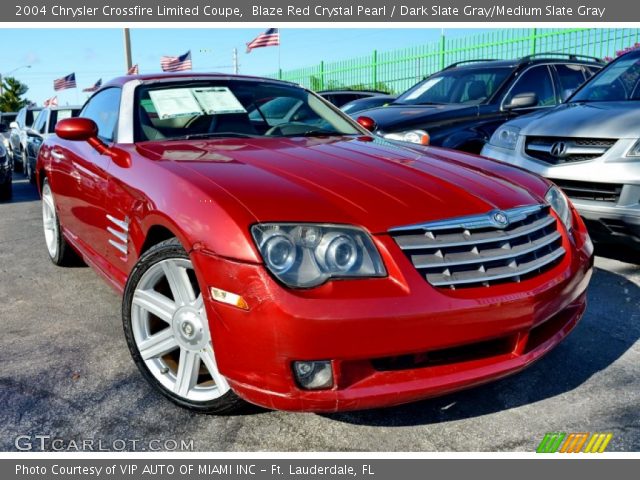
x=522, y=100
x=368, y=123
x=14, y=125
x=566, y=93
x=85, y=130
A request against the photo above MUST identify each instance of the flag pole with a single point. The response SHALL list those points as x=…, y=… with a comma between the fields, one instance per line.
x=279, y=46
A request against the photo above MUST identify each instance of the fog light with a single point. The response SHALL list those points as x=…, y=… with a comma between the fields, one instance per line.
x=313, y=375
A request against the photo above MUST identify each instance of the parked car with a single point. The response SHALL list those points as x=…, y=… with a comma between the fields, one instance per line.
x=6, y=173
x=340, y=97
x=18, y=136
x=590, y=147
x=305, y=265
x=361, y=104
x=43, y=127
x=461, y=106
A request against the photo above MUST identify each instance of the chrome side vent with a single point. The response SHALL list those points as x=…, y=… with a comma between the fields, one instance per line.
x=119, y=230
x=482, y=250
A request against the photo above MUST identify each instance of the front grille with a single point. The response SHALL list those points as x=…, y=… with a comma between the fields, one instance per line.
x=480, y=251
x=602, y=192
x=559, y=150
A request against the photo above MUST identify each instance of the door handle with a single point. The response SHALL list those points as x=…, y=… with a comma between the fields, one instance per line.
x=57, y=154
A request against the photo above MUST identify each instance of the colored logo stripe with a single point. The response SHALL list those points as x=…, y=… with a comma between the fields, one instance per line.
x=550, y=442
x=598, y=442
x=574, y=443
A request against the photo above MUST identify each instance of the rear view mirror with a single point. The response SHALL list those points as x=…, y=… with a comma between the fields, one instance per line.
x=522, y=100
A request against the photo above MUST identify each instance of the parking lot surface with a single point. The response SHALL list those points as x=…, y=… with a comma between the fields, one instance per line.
x=66, y=373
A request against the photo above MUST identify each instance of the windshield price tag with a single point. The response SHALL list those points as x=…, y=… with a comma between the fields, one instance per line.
x=215, y=100
x=175, y=102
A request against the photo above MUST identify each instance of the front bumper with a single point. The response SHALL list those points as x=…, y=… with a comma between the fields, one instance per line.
x=617, y=220
x=377, y=332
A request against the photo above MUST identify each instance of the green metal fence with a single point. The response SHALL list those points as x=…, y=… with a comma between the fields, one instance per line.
x=397, y=70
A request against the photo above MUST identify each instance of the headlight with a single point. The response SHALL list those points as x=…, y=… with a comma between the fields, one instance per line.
x=307, y=255
x=635, y=150
x=412, y=136
x=505, y=137
x=560, y=204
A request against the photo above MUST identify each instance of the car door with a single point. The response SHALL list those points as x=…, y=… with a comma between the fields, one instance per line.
x=35, y=136
x=82, y=192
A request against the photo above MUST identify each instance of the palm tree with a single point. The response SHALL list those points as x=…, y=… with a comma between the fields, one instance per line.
x=11, y=99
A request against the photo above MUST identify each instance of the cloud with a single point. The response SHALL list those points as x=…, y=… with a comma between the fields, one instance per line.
x=31, y=58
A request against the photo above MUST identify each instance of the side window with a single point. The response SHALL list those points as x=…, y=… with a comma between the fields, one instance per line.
x=534, y=80
x=570, y=78
x=104, y=108
x=40, y=123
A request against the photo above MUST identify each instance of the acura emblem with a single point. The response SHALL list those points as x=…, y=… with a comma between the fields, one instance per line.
x=559, y=149
x=500, y=219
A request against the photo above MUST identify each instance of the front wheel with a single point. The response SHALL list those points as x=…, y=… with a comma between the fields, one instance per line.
x=59, y=250
x=167, y=331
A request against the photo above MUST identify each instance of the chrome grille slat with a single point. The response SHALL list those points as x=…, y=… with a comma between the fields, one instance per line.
x=577, y=149
x=453, y=259
x=415, y=242
x=477, y=251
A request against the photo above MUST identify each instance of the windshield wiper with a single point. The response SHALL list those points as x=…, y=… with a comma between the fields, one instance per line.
x=214, y=135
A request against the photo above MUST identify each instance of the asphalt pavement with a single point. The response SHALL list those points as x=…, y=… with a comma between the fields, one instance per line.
x=66, y=375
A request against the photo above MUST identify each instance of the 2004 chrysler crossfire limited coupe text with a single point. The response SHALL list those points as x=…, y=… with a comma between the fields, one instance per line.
x=269, y=249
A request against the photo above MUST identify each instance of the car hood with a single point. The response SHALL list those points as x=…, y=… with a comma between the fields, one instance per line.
x=394, y=117
x=595, y=119
x=359, y=181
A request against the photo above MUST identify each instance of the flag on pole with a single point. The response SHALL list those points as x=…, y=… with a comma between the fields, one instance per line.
x=270, y=38
x=133, y=70
x=94, y=87
x=65, y=82
x=51, y=102
x=176, y=64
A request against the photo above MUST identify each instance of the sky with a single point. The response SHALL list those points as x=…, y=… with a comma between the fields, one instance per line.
x=99, y=53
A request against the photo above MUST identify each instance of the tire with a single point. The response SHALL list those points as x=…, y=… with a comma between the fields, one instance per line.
x=60, y=252
x=6, y=189
x=166, y=329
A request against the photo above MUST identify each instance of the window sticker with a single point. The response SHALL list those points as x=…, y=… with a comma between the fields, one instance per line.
x=215, y=100
x=174, y=103
x=423, y=88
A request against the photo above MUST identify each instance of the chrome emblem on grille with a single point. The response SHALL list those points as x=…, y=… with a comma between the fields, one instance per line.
x=559, y=149
x=500, y=219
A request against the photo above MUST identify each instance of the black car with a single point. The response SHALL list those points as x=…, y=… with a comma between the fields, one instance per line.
x=340, y=97
x=6, y=168
x=361, y=104
x=461, y=106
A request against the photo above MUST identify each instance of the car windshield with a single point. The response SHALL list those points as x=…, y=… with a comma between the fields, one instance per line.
x=233, y=108
x=620, y=81
x=460, y=86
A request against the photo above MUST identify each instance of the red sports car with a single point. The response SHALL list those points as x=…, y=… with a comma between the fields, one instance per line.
x=270, y=249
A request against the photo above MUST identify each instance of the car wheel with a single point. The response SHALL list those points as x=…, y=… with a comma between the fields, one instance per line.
x=166, y=328
x=6, y=189
x=60, y=252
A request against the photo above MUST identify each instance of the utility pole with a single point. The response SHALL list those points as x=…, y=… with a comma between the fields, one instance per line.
x=236, y=65
x=127, y=48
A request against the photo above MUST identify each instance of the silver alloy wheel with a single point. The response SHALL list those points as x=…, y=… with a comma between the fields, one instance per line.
x=49, y=221
x=172, y=334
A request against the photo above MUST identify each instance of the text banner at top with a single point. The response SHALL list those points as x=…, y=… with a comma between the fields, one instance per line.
x=273, y=12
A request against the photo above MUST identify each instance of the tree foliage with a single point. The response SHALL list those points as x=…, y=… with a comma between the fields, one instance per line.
x=12, y=98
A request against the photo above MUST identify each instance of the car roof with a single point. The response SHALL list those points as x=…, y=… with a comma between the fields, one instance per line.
x=167, y=76
x=560, y=58
x=64, y=107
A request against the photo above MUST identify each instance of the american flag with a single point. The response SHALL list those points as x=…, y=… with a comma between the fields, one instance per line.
x=270, y=38
x=51, y=102
x=176, y=64
x=65, y=82
x=133, y=70
x=94, y=87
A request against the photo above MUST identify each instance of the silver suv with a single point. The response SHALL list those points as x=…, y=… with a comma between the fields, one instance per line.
x=590, y=147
